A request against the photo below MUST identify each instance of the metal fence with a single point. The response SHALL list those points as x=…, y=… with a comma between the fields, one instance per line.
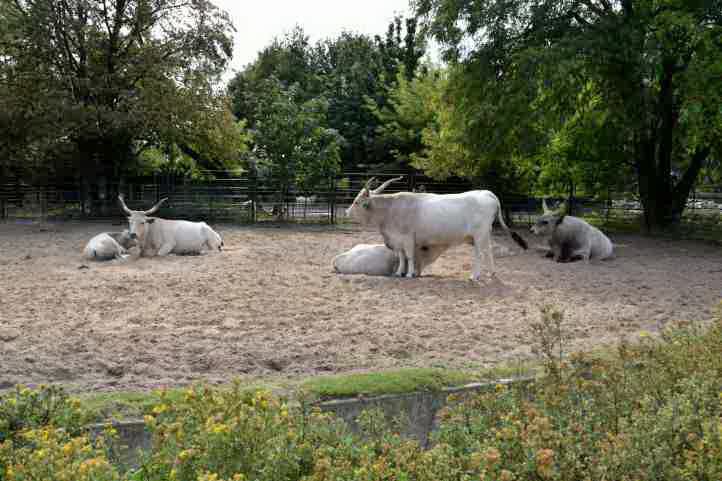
x=252, y=199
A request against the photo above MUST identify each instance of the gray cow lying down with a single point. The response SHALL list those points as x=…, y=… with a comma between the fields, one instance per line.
x=108, y=245
x=379, y=260
x=161, y=237
x=571, y=238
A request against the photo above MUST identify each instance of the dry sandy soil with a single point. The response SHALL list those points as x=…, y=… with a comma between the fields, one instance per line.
x=271, y=305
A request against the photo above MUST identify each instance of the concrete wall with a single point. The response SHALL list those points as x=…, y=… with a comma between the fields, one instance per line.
x=418, y=409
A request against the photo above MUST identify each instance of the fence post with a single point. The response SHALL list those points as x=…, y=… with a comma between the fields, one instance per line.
x=609, y=205
x=332, y=200
x=253, y=195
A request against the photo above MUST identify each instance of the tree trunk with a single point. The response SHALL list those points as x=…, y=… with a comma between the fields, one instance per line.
x=662, y=200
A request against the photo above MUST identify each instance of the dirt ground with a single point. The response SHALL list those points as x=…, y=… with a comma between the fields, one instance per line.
x=271, y=305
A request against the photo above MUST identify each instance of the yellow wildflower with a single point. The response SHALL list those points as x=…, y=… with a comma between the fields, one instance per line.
x=506, y=475
x=491, y=456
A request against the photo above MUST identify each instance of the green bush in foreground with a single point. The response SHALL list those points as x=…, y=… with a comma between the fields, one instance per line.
x=650, y=411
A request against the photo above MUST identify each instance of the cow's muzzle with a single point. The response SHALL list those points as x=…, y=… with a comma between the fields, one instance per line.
x=133, y=235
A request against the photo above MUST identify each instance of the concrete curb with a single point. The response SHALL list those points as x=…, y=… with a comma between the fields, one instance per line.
x=418, y=410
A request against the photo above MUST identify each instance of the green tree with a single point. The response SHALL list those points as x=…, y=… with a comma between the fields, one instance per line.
x=655, y=65
x=345, y=70
x=88, y=84
x=292, y=143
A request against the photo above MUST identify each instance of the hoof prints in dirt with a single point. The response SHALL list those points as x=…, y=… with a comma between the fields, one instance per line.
x=271, y=305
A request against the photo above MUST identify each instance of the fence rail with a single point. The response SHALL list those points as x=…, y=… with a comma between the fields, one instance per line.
x=250, y=199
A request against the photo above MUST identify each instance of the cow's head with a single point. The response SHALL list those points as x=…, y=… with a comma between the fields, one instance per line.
x=361, y=207
x=138, y=220
x=549, y=220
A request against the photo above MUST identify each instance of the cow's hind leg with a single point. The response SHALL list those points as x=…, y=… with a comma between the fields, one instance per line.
x=490, y=253
x=476, y=261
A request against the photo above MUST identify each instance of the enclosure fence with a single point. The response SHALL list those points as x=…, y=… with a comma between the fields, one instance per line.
x=254, y=199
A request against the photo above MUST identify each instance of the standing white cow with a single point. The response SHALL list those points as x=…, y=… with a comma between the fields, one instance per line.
x=409, y=219
x=379, y=260
x=570, y=237
x=108, y=245
x=161, y=237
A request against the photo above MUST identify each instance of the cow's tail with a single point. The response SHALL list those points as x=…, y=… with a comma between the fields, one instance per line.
x=517, y=238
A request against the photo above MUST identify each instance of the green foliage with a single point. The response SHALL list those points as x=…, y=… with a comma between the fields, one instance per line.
x=25, y=408
x=29, y=418
x=343, y=72
x=234, y=435
x=412, y=107
x=584, y=92
x=293, y=146
x=86, y=85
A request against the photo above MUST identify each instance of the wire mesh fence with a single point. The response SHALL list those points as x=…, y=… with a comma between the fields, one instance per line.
x=253, y=199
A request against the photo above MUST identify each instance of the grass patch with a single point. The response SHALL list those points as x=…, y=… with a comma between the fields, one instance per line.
x=387, y=382
x=124, y=404
x=135, y=404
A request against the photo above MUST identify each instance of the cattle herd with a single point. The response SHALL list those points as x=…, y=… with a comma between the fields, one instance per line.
x=417, y=227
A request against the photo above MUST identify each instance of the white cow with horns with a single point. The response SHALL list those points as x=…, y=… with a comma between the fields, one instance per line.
x=161, y=237
x=410, y=219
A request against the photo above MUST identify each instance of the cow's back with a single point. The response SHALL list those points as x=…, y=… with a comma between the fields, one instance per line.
x=102, y=247
x=443, y=218
x=370, y=259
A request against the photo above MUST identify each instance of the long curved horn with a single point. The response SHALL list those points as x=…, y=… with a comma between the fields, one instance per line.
x=123, y=206
x=153, y=209
x=381, y=188
x=368, y=183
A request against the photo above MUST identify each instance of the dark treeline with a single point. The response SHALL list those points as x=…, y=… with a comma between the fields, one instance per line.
x=554, y=97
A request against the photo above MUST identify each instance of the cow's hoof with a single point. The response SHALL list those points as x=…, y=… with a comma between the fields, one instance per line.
x=410, y=275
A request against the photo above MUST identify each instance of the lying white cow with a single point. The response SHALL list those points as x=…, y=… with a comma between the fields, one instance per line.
x=410, y=219
x=571, y=238
x=379, y=260
x=108, y=245
x=161, y=237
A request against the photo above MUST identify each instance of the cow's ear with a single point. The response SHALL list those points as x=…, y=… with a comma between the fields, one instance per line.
x=151, y=220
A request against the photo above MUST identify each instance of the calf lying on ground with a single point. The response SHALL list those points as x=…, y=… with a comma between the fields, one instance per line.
x=571, y=238
x=108, y=245
x=379, y=260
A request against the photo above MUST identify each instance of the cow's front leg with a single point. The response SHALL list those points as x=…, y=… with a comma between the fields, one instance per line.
x=166, y=248
x=401, y=269
x=409, y=249
x=557, y=252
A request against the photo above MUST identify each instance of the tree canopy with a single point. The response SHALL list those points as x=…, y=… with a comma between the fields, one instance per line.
x=89, y=84
x=589, y=87
x=346, y=72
